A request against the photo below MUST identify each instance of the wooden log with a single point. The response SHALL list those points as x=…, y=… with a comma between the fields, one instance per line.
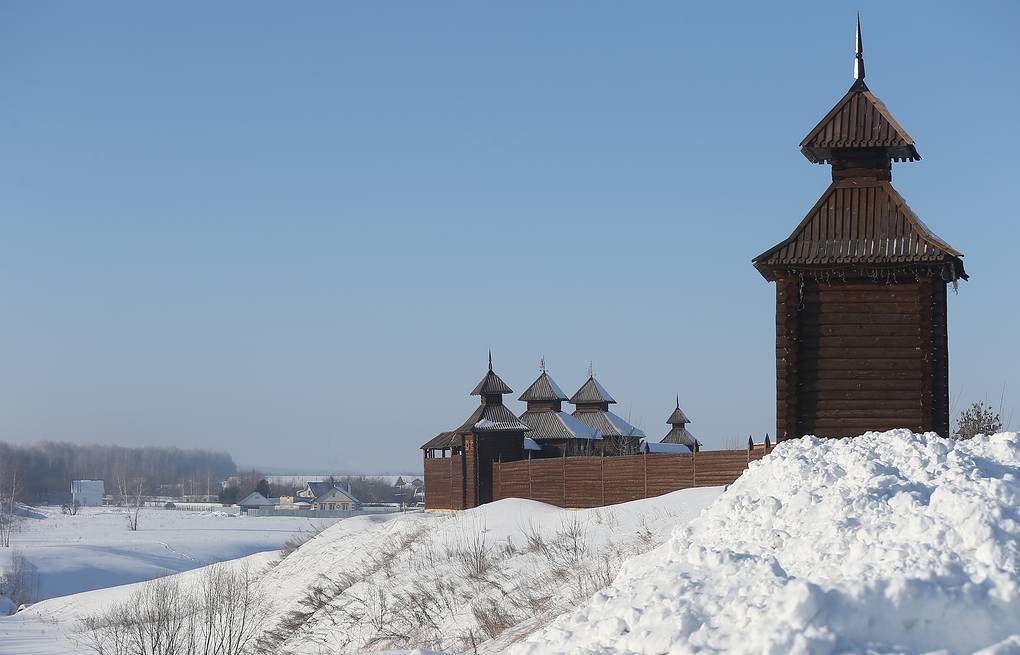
x=809, y=330
x=878, y=341
x=827, y=352
x=861, y=364
x=817, y=394
x=855, y=318
x=862, y=308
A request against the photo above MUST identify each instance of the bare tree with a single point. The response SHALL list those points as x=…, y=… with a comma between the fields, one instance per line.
x=136, y=501
x=977, y=419
x=18, y=582
x=8, y=503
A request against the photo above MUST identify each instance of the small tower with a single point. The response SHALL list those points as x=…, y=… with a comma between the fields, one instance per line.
x=592, y=403
x=556, y=432
x=678, y=433
x=860, y=287
x=491, y=433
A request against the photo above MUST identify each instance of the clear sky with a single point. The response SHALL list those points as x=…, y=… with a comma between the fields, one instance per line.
x=293, y=230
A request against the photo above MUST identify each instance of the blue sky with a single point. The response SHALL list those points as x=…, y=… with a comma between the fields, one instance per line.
x=293, y=231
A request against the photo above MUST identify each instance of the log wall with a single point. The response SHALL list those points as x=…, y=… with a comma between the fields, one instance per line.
x=579, y=482
x=854, y=356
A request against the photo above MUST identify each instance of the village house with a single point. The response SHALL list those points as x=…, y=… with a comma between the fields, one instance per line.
x=256, y=501
x=336, y=499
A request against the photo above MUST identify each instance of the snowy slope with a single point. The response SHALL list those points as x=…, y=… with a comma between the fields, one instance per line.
x=887, y=543
x=446, y=581
x=94, y=549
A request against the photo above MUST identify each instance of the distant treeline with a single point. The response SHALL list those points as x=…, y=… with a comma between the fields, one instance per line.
x=45, y=470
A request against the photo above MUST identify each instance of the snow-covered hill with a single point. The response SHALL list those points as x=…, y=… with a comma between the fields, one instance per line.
x=448, y=581
x=887, y=543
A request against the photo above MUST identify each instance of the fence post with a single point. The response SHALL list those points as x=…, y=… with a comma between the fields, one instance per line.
x=644, y=464
x=531, y=486
x=602, y=476
x=563, y=474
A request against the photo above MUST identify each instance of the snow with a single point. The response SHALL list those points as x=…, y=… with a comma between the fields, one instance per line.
x=94, y=549
x=623, y=426
x=887, y=543
x=382, y=564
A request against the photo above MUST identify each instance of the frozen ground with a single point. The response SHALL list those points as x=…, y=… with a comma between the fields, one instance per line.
x=94, y=549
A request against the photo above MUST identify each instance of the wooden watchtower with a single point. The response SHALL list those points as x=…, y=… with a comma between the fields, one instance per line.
x=861, y=339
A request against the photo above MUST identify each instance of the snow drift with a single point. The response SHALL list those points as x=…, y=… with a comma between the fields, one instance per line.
x=888, y=542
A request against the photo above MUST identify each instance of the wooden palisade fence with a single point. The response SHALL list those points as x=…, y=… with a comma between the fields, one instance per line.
x=579, y=482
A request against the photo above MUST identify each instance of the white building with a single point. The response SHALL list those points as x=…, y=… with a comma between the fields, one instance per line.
x=87, y=493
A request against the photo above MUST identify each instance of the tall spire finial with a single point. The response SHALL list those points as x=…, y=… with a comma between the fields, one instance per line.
x=490, y=360
x=541, y=365
x=678, y=401
x=591, y=369
x=859, y=53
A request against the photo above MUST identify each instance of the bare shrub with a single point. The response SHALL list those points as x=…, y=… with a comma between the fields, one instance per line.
x=19, y=581
x=493, y=618
x=299, y=539
x=977, y=419
x=473, y=554
x=222, y=614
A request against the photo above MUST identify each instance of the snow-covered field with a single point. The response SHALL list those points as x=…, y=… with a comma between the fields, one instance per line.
x=94, y=549
x=886, y=543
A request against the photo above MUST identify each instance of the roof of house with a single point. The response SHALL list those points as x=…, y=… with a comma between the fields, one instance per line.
x=607, y=423
x=543, y=388
x=859, y=120
x=319, y=487
x=557, y=425
x=865, y=223
x=591, y=392
x=336, y=491
x=255, y=499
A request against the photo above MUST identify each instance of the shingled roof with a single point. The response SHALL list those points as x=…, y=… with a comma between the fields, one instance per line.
x=678, y=417
x=859, y=120
x=489, y=385
x=607, y=423
x=591, y=392
x=557, y=425
x=863, y=222
x=543, y=389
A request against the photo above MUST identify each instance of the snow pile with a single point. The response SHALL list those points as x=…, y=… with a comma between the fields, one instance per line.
x=888, y=542
x=474, y=581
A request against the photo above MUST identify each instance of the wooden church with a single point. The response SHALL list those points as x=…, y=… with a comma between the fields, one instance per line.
x=861, y=339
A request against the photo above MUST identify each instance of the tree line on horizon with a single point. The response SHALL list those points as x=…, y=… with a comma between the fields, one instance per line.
x=46, y=469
